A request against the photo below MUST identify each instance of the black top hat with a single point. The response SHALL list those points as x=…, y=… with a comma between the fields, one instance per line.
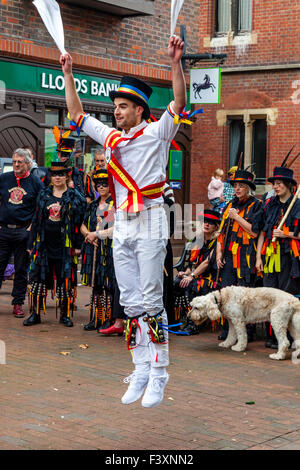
x=58, y=167
x=284, y=174
x=66, y=145
x=243, y=176
x=210, y=216
x=99, y=175
x=135, y=90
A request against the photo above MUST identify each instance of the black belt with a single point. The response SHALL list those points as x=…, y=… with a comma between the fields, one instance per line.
x=14, y=226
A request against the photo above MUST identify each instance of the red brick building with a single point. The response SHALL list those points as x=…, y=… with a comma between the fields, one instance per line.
x=259, y=112
x=260, y=92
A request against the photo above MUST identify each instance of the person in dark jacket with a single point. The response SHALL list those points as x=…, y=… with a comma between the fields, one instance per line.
x=200, y=275
x=55, y=242
x=18, y=191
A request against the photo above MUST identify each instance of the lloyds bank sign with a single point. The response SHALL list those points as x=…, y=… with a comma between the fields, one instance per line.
x=47, y=81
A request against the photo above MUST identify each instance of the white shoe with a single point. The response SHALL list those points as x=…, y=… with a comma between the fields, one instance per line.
x=137, y=384
x=154, y=393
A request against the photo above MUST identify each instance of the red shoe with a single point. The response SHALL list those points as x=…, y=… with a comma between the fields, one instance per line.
x=18, y=311
x=112, y=330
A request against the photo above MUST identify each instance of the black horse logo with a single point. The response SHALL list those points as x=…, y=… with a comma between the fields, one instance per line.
x=203, y=86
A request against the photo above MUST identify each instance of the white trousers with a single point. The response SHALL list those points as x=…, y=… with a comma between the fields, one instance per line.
x=139, y=248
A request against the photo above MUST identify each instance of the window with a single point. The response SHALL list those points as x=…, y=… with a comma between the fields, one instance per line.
x=233, y=16
x=259, y=149
x=237, y=141
x=248, y=139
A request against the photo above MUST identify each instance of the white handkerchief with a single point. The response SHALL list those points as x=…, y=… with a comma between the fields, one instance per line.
x=175, y=9
x=50, y=13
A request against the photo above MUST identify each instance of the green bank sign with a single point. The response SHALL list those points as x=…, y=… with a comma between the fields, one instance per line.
x=47, y=81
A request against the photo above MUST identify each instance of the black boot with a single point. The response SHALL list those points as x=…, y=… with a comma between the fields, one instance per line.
x=65, y=318
x=34, y=319
x=224, y=332
x=90, y=326
x=251, y=330
x=191, y=328
x=269, y=340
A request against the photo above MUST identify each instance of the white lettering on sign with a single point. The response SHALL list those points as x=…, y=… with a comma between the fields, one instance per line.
x=94, y=88
x=49, y=81
x=101, y=88
x=59, y=82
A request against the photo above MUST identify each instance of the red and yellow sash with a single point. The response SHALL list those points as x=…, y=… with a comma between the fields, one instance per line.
x=134, y=201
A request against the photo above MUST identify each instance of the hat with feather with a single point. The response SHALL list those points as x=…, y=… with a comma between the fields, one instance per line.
x=284, y=172
x=65, y=143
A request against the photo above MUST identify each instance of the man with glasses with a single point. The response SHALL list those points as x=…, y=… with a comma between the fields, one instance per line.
x=99, y=162
x=18, y=192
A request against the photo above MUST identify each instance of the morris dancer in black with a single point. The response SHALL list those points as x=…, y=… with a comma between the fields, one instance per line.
x=97, y=228
x=279, y=259
x=199, y=277
x=55, y=244
x=242, y=222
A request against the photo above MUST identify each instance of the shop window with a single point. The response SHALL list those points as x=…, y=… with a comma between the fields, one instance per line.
x=233, y=16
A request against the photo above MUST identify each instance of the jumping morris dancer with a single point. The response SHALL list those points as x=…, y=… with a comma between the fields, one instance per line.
x=136, y=160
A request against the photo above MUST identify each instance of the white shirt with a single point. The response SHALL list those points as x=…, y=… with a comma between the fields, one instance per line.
x=144, y=158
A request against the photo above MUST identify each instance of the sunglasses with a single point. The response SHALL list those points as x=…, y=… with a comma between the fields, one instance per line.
x=104, y=185
x=58, y=173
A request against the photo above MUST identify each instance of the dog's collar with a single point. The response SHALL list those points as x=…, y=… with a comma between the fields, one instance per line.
x=216, y=300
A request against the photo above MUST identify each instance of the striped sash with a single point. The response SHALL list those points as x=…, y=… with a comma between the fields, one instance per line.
x=134, y=201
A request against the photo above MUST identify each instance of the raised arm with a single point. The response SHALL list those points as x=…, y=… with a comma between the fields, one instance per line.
x=73, y=101
x=175, y=51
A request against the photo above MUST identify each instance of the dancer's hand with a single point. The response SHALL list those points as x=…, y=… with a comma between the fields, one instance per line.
x=175, y=49
x=185, y=282
x=91, y=237
x=259, y=264
x=66, y=63
x=277, y=233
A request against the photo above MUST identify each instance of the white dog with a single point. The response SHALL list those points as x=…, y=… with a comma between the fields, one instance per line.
x=242, y=305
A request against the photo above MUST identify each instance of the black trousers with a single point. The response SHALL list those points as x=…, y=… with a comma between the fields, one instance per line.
x=54, y=268
x=14, y=241
x=117, y=309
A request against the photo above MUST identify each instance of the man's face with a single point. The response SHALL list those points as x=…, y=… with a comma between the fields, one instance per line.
x=100, y=160
x=62, y=158
x=19, y=164
x=127, y=113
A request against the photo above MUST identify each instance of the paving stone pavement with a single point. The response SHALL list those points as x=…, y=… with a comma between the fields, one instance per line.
x=72, y=402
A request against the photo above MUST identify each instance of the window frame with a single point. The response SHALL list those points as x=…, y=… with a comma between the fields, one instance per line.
x=234, y=9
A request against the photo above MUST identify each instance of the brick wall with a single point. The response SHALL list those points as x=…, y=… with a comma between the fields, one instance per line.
x=276, y=30
x=96, y=40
